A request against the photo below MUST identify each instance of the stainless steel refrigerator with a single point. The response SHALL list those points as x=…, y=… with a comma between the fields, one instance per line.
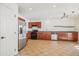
x=22, y=35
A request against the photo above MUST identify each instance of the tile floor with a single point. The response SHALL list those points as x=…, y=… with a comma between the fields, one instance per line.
x=50, y=48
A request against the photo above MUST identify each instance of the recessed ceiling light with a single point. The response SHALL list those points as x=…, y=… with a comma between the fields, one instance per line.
x=30, y=8
x=54, y=6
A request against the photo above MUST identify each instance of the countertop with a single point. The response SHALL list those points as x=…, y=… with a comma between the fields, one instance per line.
x=56, y=31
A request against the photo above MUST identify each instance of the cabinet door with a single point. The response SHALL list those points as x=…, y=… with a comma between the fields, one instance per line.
x=62, y=36
x=40, y=35
x=8, y=32
x=47, y=36
x=44, y=35
x=28, y=35
x=38, y=24
x=75, y=36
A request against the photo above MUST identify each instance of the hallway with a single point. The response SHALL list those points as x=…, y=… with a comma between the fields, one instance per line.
x=50, y=48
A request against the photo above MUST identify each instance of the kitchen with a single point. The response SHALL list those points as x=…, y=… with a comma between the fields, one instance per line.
x=39, y=29
x=52, y=23
x=57, y=21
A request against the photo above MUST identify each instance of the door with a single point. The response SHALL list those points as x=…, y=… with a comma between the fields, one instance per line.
x=8, y=32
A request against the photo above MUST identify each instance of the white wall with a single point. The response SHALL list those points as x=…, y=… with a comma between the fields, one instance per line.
x=50, y=16
x=48, y=24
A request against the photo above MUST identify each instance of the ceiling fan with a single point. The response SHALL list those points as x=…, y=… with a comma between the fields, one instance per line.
x=64, y=15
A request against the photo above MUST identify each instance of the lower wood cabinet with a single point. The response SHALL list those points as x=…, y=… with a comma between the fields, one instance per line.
x=28, y=35
x=40, y=35
x=75, y=36
x=62, y=36
x=65, y=36
x=44, y=35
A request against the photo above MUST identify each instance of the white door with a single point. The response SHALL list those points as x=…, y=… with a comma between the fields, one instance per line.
x=8, y=32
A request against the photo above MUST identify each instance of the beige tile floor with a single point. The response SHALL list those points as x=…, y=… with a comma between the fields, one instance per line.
x=50, y=48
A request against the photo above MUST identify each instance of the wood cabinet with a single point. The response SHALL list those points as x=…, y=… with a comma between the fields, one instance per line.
x=62, y=36
x=65, y=36
x=75, y=36
x=28, y=35
x=40, y=35
x=38, y=24
x=44, y=35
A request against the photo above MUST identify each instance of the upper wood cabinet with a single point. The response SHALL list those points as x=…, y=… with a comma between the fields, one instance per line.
x=31, y=24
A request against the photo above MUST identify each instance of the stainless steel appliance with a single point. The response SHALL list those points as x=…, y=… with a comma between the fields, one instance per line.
x=22, y=34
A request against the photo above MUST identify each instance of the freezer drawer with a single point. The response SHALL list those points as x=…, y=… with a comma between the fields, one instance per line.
x=22, y=43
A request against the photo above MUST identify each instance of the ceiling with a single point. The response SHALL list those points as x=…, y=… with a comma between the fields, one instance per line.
x=47, y=10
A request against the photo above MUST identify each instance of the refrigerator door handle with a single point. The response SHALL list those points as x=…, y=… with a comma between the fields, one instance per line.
x=3, y=37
